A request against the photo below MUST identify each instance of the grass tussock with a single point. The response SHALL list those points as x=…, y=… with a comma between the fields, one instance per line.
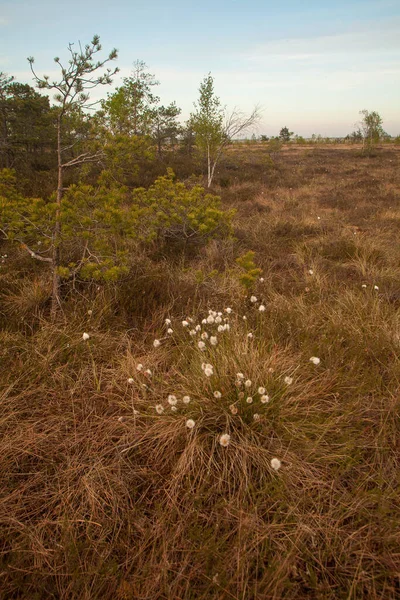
x=132, y=469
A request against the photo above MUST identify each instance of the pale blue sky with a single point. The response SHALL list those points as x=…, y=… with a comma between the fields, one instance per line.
x=312, y=65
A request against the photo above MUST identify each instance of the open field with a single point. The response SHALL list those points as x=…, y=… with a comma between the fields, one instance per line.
x=104, y=497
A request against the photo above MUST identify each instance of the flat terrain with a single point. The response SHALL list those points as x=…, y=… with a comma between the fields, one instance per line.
x=105, y=496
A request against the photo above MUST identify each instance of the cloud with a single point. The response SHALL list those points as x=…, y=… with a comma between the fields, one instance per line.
x=378, y=40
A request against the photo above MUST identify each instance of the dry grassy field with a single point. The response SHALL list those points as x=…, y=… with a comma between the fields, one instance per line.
x=137, y=470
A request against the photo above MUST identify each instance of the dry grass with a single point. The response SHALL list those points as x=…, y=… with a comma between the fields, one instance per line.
x=104, y=498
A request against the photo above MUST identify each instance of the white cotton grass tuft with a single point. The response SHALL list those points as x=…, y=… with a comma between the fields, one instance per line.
x=210, y=319
x=233, y=409
x=276, y=464
x=249, y=400
x=228, y=310
x=261, y=308
x=198, y=328
x=253, y=299
x=131, y=380
x=264, y=399
x=201, y=345
x=250, y=336
x=262, y=279
x=90, y=312
x=172, y=400
x=192, y=332
x=208, y=369
x=190, y=423
x=213, y=340
x=159, y=409
x=156, y=343
x=288, y=380
x=170, y=331
x=186, y=399
x=139, y=367
x=225, y=439
x=315, y=360
x=261, y=390
x=221, y=328
x=218, y=319
x=364, y=286
x=204, y=335
x=217, y=395
x=256, y=417
x=376, y=287
x=248, y=383
x=168, y=321
x=174, y=408
x=240, y=375
x=85, y=336
x=310, y=272
x=148, y=372
x=185, y=324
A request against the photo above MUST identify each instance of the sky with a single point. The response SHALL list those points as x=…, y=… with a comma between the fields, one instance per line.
x=310, y=65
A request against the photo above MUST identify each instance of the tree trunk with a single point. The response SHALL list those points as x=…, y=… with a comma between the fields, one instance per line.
x=55, y=294
x=208, y=166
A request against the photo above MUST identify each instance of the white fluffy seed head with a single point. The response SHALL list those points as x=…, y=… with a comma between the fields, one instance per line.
x=174, y=408
x=217, y=394
x=228, y=310
x=261, y=308
x=201, y=345
x=310, y=272
x=185, y=324
x=253, y=299
x=247, y=383
x=288, y=380
x=315, y=360
x=256, y=417
x=85, y=337
x=172, y=400
x=131, y=380
x=276, y=464
x=221, y=328
x=139, y=367
x=261, y=391
x=198, y=327
x=225, y=439
x=208, y=372
x=168, y=321
x=233, y=409
x=218, y=319
x=213, y=340
x=159, y=409
x=190, y=423
x=204, y=335
x=169, y=330
x=156, y=343
x=186, y=399
x=240, y=375
x=376, y=287
x=210, y=319
x=264, y=399
x=250, y=336
x=249, y=400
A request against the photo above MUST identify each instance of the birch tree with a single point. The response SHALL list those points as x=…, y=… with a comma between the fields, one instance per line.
x=214, y=127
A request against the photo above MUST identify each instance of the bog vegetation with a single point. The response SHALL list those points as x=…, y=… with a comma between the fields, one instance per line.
x=199, y=342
